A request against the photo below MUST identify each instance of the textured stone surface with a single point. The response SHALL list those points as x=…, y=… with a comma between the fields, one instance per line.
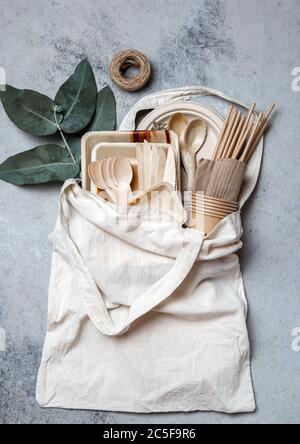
x=246, y=49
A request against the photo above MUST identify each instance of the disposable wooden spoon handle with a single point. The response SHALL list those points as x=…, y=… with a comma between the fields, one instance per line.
x=124, y=192
x=111, y=194
x=191, y=173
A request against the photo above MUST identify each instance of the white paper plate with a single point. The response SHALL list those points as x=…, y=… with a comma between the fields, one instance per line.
x=191, y=111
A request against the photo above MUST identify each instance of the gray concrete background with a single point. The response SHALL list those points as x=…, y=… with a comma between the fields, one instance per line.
x=246, y=49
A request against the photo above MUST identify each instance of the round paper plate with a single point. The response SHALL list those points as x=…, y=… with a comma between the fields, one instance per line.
x=191, y=111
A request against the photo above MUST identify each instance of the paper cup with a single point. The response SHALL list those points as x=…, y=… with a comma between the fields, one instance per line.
x=209, y=212
x=207, y=200
x=204, y=222
x=206, y=211
x=221, y=203
x=211, y=207
x=200, y=206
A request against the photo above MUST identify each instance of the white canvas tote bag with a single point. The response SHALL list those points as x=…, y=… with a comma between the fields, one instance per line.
x=144, y=315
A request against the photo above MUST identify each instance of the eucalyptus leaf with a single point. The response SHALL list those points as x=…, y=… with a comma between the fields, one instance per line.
x=44, y=163
x=77, y=98
x=30, y=110
x=105, y=115
x=104, y=119
x=74, y=142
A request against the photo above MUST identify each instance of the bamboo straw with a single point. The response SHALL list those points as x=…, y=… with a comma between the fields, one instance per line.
x=252, y=137
x=268, y=111
x=228, y=127
x=256, y=141
x=227, y=133
x=241, y=143
x=222, y=132
x=236, y=144
x=261, y=131
x=236, y=137
x=254, y=131
x=248, y=118
x=240, y=135
x=232, y=133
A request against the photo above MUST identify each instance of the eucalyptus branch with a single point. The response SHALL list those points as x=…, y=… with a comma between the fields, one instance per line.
x=62, y=134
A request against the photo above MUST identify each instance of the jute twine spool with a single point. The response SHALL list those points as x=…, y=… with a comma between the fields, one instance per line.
x=126, y=59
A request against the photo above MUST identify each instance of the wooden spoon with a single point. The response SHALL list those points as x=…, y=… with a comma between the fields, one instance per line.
x=122, y=176
x=195, y=136
x=106, y=174
x=178, y=123
x=95, y=170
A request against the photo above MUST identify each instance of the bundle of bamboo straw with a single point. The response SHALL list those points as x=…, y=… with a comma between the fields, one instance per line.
x=221, y=178
x=240, y=135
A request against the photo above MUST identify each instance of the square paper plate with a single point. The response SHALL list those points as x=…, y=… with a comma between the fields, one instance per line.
x=92, y=138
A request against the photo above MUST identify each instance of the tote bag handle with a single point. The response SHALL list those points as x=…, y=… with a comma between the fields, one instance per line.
x=161, y=98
